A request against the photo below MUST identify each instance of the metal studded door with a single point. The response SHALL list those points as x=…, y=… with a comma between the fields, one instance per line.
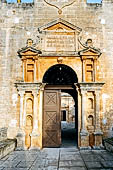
x=51, y=119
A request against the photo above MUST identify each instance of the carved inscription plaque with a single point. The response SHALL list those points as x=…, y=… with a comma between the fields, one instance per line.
x=59, y=42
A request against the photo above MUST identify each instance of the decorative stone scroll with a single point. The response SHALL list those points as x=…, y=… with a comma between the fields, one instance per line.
x=59, y=4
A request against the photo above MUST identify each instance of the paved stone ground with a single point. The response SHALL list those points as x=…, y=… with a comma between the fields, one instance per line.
x=58, y=159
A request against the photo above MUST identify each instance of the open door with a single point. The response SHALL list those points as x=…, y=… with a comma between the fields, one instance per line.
x=51, y=118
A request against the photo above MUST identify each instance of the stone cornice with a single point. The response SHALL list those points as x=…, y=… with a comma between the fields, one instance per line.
x=22, y=86
x=92, y=86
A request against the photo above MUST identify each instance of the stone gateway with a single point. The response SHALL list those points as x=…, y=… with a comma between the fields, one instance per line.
x=49, y=49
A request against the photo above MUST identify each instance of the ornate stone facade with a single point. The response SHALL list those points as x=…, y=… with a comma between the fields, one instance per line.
x=61, y=56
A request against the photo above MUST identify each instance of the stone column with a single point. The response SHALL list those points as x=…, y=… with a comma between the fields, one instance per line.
x=35, y=71
x=94, y=70
x=83, y=114
x=21, y=108
x=83, y=134
x=83, y=70
x=41, y=113
x=98, y=133
x=35, y=111
x=97, y=111
x=21, y=133
x=24, y=111
x=35, y=132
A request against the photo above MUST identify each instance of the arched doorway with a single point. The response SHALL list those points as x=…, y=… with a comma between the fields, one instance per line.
x=60, y=79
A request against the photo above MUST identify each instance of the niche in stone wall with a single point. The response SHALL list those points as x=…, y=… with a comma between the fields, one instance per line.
x=29, y=106
x=90, y=111
x=90, y=103
x=90, y=120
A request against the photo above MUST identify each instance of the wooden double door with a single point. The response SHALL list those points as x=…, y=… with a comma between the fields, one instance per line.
x=52, y=118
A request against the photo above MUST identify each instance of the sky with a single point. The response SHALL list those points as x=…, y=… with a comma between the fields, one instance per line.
x=94, y=1
x=30, y=1
x=22, y=1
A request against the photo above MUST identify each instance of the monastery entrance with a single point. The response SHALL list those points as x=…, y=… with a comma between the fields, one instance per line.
x=59, y=79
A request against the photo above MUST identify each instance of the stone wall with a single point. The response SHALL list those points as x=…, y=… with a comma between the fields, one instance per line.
x=18, y=22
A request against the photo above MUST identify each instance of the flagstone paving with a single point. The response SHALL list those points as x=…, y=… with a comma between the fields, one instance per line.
x=58, y=159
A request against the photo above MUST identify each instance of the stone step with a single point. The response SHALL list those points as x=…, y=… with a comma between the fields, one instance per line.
x=109, y=144
x=7, y=146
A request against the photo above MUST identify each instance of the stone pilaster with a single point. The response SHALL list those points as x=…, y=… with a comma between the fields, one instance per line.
x=21, y=134
x=94, y=70
x=24, y=112
x=35, y=71
x=84, y=136
x=98, y=133
x=35, y=134
x=83, y=70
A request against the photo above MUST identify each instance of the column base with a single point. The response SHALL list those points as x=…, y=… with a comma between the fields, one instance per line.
x=99, y=147
x=20, y=140
x=84, y=132
x=34, y=139
x=85, y=148
x=84, y=137
x=34, y=148
x=98, y=139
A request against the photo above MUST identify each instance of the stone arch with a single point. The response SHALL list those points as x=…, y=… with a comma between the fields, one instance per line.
x=60, y=74
x=59, y=78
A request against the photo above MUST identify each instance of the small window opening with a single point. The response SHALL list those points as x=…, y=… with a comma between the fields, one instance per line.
x=63, y=118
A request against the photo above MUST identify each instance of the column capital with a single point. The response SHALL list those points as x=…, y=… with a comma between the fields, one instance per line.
x=83, y=92
x=21, y=93
x=42, y=86
x=97, y=92
x=35, y=93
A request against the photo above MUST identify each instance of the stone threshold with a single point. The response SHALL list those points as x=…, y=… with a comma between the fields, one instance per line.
x=7, y=146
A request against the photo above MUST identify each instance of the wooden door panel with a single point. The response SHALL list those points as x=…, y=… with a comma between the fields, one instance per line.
x=51, y=119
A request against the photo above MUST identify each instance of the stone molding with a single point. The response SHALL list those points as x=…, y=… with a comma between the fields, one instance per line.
x=21, y=86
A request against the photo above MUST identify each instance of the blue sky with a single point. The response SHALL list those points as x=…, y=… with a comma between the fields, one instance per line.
x=22, y=1
x=30, y=1
x=94, y=1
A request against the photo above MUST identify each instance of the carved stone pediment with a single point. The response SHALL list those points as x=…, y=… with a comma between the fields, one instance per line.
x=60, y=23
x=28, y=51
x=59, y=36
x=90, y=51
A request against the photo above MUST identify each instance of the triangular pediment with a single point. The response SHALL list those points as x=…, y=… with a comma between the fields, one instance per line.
x=90, y=51
x=30, y=51
x=59, y=25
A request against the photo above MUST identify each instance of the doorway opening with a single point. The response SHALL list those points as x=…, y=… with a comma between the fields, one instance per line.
x=63, y=115
x=68, y=121
x=60, y=115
